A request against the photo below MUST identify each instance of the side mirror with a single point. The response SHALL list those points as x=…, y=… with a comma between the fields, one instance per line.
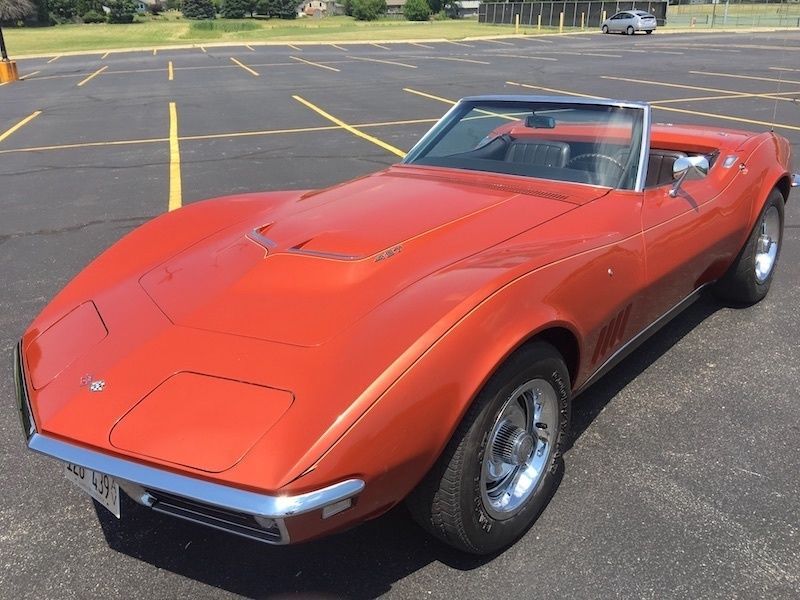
x=685, y=165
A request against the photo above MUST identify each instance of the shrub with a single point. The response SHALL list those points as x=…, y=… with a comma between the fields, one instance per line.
x=367, y=10
x=198, y=9
x=156, y=8
x=93, y=16
x=122, y=11
x=417, y=10
x=173, y=4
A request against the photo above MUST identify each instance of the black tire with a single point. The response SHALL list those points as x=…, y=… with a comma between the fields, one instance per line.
x=604, y=29
x=629, y=30
x=649, y=31
x=449, y=502
x=740, y=285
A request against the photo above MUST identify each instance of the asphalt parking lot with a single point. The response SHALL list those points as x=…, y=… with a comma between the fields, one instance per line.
x=684, y=477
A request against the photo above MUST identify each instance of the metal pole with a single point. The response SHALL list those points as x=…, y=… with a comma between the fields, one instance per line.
x=3, y=46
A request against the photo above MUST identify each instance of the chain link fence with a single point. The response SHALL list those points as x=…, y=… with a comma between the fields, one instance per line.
x=675, y=13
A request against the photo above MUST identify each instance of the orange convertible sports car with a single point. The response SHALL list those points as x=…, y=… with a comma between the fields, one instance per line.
x=284, y=365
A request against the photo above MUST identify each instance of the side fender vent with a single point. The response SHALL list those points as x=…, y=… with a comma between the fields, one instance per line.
x=612, y=334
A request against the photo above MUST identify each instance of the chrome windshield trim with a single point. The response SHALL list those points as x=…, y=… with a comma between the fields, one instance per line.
x=644, y=150
x=223, y=496
x=23, y=400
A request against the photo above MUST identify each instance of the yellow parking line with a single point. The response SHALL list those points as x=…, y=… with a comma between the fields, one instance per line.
x=466, y=60
x=386, y=62
x=245, y=67
x=421, y=45
x=20, y=125
x=668, y=108
x=4, y=83
x=216, y=136
x=665, y=52
x=170, y=71
x=525, y=57
x=430, y=96
x=175, y=188
x=729, y=118
x=350, y=128
x=379, y=46
x=554, y=90
x=339, y=47
x=540, y=40
x=104, y=55
x=54, y=59
x=250, y=48
x=751, y=77
x=451, y=102
x=785, y=69
x=313, y=64
x=498, y=42
x=203, y=48
x=460, y=44
x=92, y=76
x=680, y=86
x=729, y=96
x=84, y=145
x=155, y=51
x=295, y=47
x=24, y=77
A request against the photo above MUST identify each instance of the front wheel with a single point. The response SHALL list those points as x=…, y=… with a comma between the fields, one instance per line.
x=750, y=276
x=500, y=468
x=604, y=29
x=629, y=30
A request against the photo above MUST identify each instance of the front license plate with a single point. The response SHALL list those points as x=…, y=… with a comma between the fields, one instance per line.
x=99, y=486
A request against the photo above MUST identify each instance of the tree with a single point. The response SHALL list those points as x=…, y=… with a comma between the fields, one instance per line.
x=436, y=6
x=84, y=6
x=63, y=10
x=367, y=10
x=417, y=10
x=234, y=9
x=13, y=10
x=198, y=9
x=283, y=9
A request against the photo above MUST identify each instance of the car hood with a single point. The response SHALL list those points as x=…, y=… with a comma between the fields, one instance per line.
x=310, y=269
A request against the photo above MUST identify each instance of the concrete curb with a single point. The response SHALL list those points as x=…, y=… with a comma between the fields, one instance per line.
x=242, y=43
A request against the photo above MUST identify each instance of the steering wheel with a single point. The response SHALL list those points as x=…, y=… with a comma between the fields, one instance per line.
x=593, y=156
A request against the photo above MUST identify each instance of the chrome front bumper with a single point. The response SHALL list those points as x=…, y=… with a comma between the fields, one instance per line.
x=250, y=514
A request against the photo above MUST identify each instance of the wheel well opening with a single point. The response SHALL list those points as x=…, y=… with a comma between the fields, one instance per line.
x=784, y=185
x=567, y=345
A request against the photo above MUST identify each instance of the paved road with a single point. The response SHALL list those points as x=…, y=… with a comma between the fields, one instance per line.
x=684, y=477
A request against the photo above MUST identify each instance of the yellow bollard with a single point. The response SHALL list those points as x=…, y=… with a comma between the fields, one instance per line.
x=561, y=23
x=516, y=23
x=583, y=15
x=8, y=71
x=604, y=17
x=539, y=22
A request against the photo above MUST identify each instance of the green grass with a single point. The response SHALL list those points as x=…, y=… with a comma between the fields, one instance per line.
x=154, y=33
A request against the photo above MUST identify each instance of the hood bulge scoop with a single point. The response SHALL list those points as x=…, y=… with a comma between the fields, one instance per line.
x=316, y=265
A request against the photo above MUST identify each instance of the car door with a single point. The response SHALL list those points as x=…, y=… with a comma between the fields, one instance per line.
x=613, y=23
x=690, y=239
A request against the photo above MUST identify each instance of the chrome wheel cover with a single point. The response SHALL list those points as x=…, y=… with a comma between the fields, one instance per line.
x=767, y=244
x=519, y=448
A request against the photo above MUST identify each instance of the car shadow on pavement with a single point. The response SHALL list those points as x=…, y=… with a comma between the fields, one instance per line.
x=363, y=562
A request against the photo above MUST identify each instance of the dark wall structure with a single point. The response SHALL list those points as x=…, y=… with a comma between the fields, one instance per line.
x=505, y=12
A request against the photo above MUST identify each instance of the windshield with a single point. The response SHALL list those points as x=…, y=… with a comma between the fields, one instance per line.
x=598, y=144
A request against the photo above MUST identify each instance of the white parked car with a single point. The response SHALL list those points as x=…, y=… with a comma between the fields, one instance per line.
x=629, y=22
